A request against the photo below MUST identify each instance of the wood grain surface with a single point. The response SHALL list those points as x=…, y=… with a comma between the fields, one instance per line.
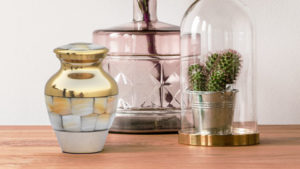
x=35, y=147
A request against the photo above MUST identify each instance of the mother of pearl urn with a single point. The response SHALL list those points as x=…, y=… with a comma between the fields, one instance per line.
x=81, y=98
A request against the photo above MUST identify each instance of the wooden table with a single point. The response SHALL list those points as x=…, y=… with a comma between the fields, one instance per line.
x=36, y=148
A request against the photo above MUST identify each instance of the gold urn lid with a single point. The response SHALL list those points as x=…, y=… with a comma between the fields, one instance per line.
x=81, y=74
x=81, y=52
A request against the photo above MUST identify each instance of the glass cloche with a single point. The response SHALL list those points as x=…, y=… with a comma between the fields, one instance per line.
x=217, y=75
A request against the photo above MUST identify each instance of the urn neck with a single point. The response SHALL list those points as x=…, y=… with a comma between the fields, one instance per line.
x=144, y=10
x=77, y=65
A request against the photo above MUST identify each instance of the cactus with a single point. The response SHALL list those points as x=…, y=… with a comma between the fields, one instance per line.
x=216, y=81
x=220, y=69
x=197, y=74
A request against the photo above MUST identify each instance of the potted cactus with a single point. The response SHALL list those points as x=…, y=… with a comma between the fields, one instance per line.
x=213, y=96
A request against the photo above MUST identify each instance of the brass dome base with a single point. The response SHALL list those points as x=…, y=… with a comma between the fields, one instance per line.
x=218, y=140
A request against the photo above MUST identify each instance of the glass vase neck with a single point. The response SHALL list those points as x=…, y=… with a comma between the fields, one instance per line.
x=145, y=10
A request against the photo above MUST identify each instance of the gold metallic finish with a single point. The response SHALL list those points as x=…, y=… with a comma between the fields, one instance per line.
x=80, y=76
x=81, y=79
x=81, y=52
x=218, y=140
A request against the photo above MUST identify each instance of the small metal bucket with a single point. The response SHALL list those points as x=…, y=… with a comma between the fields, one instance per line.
x=213, y=112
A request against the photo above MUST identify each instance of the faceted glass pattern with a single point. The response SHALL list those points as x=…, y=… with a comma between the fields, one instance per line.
x=148, y=84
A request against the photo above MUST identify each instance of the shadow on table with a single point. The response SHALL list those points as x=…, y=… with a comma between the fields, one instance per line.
x=132, y=148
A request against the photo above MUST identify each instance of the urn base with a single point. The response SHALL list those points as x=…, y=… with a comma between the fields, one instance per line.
x=81, y=142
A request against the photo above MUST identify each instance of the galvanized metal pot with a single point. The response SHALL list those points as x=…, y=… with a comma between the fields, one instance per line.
x=213, y=112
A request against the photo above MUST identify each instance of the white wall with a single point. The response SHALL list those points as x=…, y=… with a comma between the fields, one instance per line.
x=30, y=29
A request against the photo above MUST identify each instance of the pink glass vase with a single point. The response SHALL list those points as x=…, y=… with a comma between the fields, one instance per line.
x=144, y=59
